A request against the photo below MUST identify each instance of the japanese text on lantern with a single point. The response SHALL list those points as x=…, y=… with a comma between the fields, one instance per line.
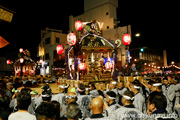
x=82, y=66
x=78, y=25
x=108, y=65
x=71, y=39
x=59, y=49
x=126, y=39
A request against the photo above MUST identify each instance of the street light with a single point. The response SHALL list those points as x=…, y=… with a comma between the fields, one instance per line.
x=137, y=34
x=142, y=50
x=8, y=62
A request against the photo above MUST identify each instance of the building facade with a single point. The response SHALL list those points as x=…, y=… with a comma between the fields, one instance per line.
x=50, y=38
x=151, y=57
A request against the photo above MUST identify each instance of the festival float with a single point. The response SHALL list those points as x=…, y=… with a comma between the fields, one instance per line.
x=24, y=66
x=91, y=56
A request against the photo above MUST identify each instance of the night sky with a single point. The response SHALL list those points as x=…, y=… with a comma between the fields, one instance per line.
x=157, y=22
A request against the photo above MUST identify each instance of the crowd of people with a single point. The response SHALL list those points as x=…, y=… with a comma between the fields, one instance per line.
x=149, y=99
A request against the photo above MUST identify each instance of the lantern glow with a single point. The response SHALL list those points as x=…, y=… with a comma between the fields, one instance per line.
x=8, y=62
x=71, y=39
x=20, y=50
x=82, y=66
x=59, y=49
x=78, y=25
x=40, y=61
x=126, y=39
x=108, y=65
x=21, y=60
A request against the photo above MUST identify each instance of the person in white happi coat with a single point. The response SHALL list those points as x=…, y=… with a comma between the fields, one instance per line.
x=83, y=101
x=93, y=92
x=110, y=99
x=139, y=100
x=172, y=94
x=157, y=86
x=73, y=111
x=128, y=111
x=39, y=99
x=177, y=92
x=96, y=106
x=112, y=87
x=62, y=91
x=121, y=89
x=167, y=87
x=61, y=97
x=13, y=103
x=157, y=103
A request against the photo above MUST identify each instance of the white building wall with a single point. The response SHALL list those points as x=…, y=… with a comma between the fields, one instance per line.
x=49, y=48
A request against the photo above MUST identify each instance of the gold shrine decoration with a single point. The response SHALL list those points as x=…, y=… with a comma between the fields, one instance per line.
x=5, y=15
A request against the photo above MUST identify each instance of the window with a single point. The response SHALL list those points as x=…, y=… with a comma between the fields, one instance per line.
x=47, y=41
x=107, y=13
x=46, y=56
x=107, y=27
x=57, y=40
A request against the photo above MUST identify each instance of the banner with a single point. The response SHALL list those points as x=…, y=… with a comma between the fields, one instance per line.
x=3, y=42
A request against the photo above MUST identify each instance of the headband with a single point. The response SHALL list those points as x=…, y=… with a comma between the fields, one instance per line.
x=8, y=84
x=157, y=84
x=137, y=87
x=47, y=89
x=46, y=95
x=61, y=86
x=175, y=80
x=112, y=98
x=87, y=89
x=43, y=87
x=128, y=98
x=114, y=82
x=71, y=97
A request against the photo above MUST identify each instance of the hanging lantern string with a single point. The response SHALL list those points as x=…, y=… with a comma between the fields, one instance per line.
x=165, y=66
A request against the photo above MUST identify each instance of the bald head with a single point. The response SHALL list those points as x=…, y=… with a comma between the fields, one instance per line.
x=97, y=105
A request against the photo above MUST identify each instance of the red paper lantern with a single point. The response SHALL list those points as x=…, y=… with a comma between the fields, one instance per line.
x=82, y=66
x=126, y=39
x=40, y=61
x=8, y=62
x=78, y=25
x=71, y=39
x=21, y=60
x=108, y=65
x=59, y=49
x=20, y=50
